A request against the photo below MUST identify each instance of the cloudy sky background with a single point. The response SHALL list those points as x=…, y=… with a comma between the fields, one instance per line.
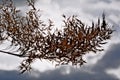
x=101, y=66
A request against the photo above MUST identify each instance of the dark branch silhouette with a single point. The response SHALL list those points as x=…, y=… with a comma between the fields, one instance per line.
x=35, y=40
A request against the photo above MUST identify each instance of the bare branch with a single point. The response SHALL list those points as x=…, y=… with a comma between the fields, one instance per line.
x=10, y=53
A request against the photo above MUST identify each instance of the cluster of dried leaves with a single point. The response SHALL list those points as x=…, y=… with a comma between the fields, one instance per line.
x=36, y=41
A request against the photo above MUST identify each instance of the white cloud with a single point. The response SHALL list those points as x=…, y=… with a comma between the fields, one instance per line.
x=8, y=62
x=115, y=72
x=43, y=65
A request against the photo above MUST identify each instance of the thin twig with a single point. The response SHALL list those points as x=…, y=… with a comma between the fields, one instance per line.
x=18, y=55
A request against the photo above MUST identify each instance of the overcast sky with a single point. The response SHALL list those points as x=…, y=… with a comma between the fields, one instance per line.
x=101, y=66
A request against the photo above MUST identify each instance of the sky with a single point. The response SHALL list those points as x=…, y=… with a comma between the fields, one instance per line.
x=101, y=66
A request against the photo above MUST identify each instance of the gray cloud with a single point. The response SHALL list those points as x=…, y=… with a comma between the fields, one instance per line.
x=56, y=75
x=105, y=1
x=19, y=2
x=75, y=74
x=13, y=75
x=110, y=60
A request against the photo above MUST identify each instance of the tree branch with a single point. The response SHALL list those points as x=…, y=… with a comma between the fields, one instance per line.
x=10, y=53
